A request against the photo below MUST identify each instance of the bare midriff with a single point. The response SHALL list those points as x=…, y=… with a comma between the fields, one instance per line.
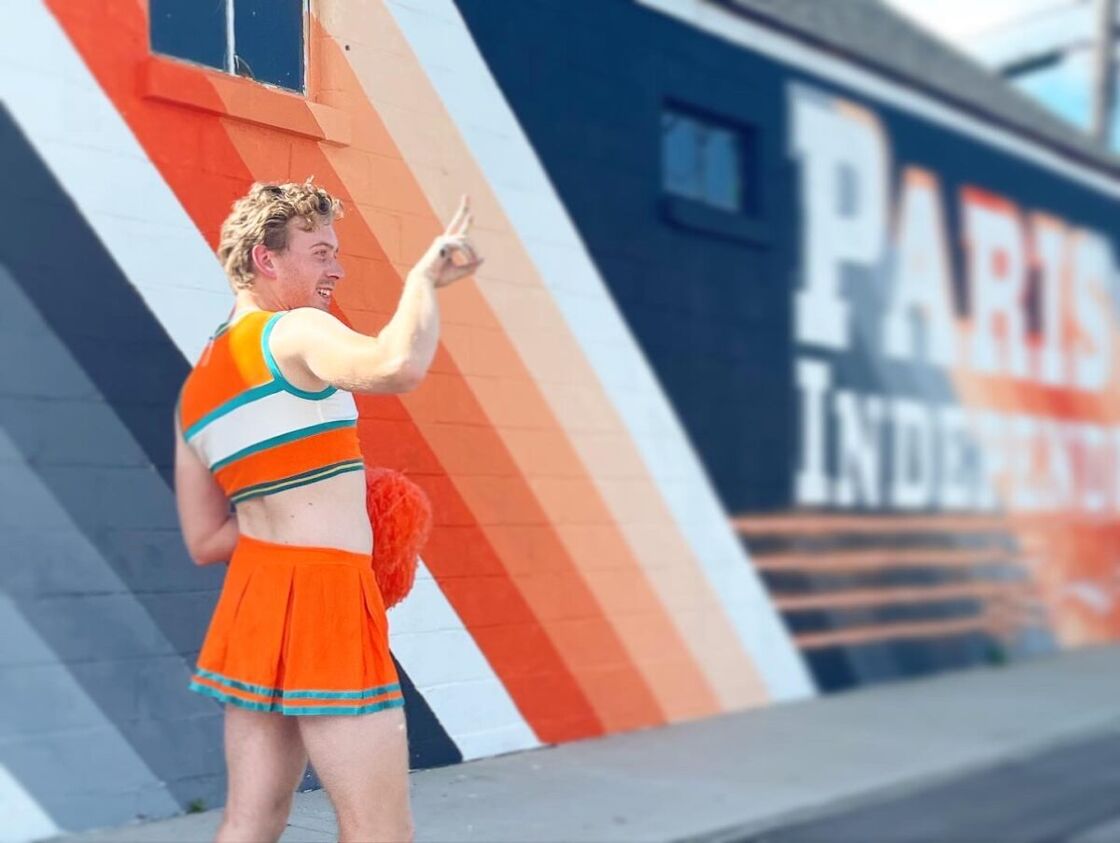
x=330, y=513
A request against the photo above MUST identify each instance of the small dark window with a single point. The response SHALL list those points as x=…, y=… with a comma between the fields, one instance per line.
x=705, y=161
x=190, y=29
x=259, y=39
x=268, y=35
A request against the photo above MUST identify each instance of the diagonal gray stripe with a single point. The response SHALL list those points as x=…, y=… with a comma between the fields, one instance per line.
x=59, y=747
x=95, y=566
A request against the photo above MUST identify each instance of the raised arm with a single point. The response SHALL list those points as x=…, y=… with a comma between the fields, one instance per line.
x=313, y=347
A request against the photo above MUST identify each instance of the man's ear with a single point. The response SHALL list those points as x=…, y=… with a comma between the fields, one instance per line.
x=263, y=260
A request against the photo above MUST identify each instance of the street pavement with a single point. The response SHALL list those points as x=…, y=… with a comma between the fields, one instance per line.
x=1029, y=752
x=1067, y=793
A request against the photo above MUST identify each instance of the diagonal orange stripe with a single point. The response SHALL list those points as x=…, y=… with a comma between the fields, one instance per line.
x=588, y=638
x=490, y=474
x=194, y=153
x=994, y=623
x=584, y=636
x=406, y=100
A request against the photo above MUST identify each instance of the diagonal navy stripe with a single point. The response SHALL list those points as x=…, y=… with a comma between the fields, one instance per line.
x=128, y=362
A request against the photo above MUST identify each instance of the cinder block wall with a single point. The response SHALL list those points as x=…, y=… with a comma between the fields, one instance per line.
x=101, y=610
x=582, y=578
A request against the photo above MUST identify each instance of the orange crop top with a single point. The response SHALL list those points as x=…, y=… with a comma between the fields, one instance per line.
x=258, y=433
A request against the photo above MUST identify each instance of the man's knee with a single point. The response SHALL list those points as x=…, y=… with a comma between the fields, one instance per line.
x=356, y=833
x=367, y=825
x=260, y=821
x=236, y=829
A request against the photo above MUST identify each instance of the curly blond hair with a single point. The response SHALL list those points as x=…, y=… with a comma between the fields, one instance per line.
x=262, y=215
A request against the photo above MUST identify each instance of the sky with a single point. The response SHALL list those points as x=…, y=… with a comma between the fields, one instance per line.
x=980, y=27
x=959, y=21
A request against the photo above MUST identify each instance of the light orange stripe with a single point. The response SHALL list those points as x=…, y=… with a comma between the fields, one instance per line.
x=591, y=432
x=875, y=560
x=814, y=524
x=194, y=153
x=895, y=596
x=617, y=683
x=895, y=632
x=484, y=460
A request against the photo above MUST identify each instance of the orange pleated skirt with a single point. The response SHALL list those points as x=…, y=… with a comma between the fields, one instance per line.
x=299, y=630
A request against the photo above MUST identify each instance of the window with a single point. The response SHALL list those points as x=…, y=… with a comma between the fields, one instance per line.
x=705, y=161
x=258, y=39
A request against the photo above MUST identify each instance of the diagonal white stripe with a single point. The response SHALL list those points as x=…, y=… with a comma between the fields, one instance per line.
x=91, y=151
x=87, y=145
x=442, y=42
x=454, y=676
x=24, y=819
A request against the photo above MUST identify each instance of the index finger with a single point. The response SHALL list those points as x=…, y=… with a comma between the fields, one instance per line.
x=460, y=215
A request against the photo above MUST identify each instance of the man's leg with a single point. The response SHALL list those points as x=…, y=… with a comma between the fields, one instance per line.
x=266, y=760
x=362, y=762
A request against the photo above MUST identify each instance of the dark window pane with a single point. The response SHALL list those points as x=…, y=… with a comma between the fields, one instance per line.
x=680, y=156
x=722, y=179
x=268, y=38
x=190, y=29
x=703, y=160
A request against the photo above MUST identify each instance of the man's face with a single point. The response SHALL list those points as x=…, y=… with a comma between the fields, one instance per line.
x=308, y=270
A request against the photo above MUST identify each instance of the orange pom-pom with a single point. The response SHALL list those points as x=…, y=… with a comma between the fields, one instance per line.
x=401, y=516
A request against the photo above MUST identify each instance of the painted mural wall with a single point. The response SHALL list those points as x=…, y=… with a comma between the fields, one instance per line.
x=582, y=577
x=896, y=357
x=673, y=474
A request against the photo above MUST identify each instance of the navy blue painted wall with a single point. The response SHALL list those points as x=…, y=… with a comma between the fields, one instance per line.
x=707, y=311
x=712, y=312
x=587, y=81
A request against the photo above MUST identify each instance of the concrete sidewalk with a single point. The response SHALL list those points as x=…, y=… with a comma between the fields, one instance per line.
x=730, y=777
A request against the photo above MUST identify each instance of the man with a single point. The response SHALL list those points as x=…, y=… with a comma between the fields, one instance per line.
x=298, y=645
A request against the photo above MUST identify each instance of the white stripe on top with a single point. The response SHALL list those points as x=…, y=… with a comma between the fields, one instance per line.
x=269, y=417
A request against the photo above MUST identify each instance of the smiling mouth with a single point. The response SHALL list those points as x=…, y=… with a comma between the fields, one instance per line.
x=324, y=293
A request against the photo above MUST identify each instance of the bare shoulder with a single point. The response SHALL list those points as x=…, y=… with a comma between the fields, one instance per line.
x=307, y=319
x=312, y=348
x=303, y=327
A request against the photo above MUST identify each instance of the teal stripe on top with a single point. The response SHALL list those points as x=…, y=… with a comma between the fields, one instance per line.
x=270, y=361
x=229, y=323
x=282, y=439
x=246, y=397
x=296, y=480
x=296, y=710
